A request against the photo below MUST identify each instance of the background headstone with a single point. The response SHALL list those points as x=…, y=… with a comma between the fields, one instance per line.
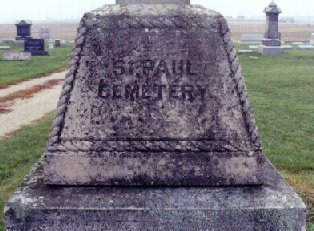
x=5, y=47
x=306, y=47
x=57, y=42
x=312, y=38
x=50, y=44
x=17, y=56
x=272, y=35
x=8, y=41
x=36, y=47
x=252, y=38
x=286, y=47
x=45, y=33
x=253, y=47
x=271, y=44
x=23, y=30
x=245, y=51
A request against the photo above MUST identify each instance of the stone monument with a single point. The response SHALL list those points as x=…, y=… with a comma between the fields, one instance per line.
x=17, y=56
x=57, y=43
x=36, y=47
x=154, y=97
x=45, y=33
x=271, y=44
x=312, y=39
x=23, y=30
x=50, y=44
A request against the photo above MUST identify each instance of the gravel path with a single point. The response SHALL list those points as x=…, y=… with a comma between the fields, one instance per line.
x=25, y=111
x=30, y=83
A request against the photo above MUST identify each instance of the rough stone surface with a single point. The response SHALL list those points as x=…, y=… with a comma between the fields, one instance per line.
x=274, y=206
x=123, y=2
x=270, y=50
x=154, y=95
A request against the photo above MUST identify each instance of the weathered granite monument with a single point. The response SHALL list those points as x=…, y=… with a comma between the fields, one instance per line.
x=154, y=97
x=23, y=29
x=271, y=45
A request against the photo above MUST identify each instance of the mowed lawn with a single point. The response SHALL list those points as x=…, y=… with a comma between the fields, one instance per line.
x=281, y=91
x=13, y=72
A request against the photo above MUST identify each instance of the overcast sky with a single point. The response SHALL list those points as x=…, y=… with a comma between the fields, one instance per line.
x=12, y=10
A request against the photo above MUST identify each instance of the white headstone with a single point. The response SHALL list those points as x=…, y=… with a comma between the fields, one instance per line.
x=253, y=47
x=50, y=44
x=312, y=38
x=306, y=47
x=4, y=47
x=245, y=51
x=286, y=47
x=17, y=56
x=44, y=33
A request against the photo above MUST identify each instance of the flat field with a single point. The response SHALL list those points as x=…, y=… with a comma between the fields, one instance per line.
x=67, y=31
x=282, y=94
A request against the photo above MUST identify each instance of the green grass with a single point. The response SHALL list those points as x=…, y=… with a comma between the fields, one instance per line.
x=281, y=91
x=282, y=94
x=18, y=154
x=15, y=71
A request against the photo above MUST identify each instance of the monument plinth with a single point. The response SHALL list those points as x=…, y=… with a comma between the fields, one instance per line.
x=158, y=99
x=154, y=96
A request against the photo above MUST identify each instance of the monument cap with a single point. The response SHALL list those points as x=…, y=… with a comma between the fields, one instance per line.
x=124, y=2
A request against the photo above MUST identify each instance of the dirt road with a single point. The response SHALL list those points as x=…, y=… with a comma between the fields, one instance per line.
x=23, y=103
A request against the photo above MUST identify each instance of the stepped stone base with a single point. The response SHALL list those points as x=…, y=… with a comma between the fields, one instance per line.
x=39, y=53
x=274, y=206
x=271, y=42
x=270, y=50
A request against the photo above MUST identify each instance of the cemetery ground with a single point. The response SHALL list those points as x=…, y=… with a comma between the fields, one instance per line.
x=281, y=92
x=12, y=72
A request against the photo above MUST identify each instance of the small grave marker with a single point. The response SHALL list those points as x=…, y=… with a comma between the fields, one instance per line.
x=306, y=47
x=45, y=33
x=5, y=47
x=252, y=38
x=17, y=56
x=57, y=42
